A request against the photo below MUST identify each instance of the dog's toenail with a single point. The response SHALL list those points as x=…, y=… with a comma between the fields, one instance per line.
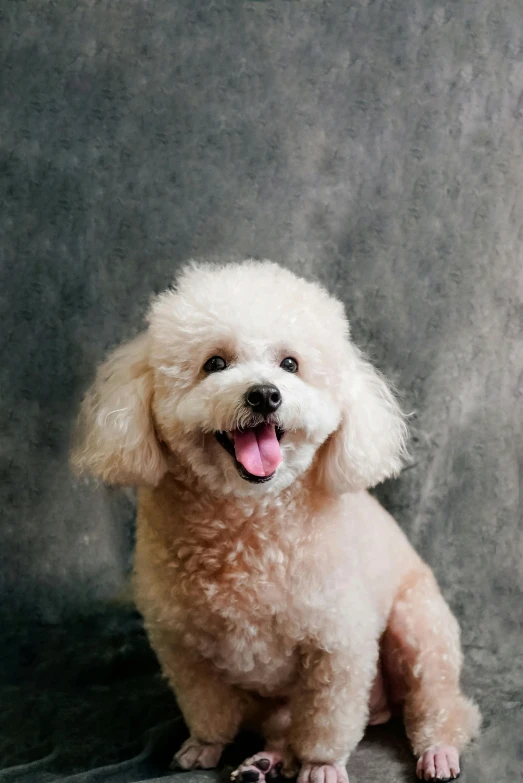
x=262, y=764
x=250, y=776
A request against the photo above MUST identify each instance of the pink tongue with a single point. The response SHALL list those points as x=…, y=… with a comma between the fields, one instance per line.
x=258, y=449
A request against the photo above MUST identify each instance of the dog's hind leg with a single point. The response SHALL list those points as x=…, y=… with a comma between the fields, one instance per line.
x=421, y=646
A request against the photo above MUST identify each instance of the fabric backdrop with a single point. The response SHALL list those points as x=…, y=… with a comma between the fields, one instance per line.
x=373, y=144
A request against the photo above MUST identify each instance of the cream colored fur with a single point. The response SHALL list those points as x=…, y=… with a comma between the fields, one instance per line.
x=273, y=602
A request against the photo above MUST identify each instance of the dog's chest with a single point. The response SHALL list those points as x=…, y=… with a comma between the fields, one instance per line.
x=239, y=600
x=251, y=654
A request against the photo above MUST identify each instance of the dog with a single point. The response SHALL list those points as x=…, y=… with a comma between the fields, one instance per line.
x=276, y=592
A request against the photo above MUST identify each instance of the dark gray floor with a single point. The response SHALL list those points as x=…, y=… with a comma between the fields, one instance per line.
x=376, y=145
x=84, y=702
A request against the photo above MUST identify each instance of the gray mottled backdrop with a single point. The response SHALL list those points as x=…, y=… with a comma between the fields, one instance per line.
x=373, y=144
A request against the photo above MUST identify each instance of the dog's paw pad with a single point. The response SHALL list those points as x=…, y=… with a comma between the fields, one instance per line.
x=197, y=755
x=249, y=776
x=323, y=773
x=440, y=764
x=263, y=766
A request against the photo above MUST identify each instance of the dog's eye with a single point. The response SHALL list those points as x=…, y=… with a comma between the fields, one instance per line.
x=215, y=364
x=289, y=364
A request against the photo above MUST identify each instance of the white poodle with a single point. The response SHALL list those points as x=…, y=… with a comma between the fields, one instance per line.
x=275, y=590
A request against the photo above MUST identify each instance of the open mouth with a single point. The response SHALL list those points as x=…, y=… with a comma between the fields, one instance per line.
x=255, y=450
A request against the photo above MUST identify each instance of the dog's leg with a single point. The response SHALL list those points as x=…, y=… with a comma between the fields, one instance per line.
x=213, y=710
x=276, y=759
x=379, y=708
x=422, y=647
x=330, y=708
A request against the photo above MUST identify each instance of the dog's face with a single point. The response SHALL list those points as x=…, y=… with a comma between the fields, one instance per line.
x=245, y=374
x=246, y=369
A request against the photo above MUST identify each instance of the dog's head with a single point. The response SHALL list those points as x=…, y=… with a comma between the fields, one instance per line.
x=246, y=375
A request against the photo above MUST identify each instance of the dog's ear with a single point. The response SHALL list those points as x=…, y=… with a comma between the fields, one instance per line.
x=370, y=442
x=116, y=439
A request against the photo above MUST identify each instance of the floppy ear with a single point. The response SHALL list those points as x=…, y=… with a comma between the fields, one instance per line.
x=116, y=440
x=370, y=442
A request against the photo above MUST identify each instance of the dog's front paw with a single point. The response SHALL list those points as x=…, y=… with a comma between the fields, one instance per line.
x=195, y=754
x=440, y=763
x=323, y=773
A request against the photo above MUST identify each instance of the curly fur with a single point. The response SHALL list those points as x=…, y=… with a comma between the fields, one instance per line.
x=295, y=595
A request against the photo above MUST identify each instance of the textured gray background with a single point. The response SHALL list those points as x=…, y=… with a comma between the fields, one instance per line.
x=375, y=145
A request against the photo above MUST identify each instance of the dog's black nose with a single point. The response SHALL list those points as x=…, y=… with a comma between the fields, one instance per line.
x=263, y=398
